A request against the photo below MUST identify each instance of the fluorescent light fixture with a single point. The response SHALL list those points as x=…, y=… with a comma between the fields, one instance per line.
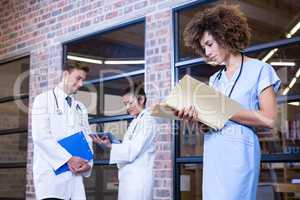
x=123, y=62
x=297, y=103
x=88, y=60
x=285, y=91
x=269, y=55
x=298, y=73
x=290, y=64
x=292, y=83
x=293, y=30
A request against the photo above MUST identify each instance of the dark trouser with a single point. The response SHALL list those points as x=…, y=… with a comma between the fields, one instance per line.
x=52, y=199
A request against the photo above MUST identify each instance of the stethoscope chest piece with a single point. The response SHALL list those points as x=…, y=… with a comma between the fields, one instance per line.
x=59, y=111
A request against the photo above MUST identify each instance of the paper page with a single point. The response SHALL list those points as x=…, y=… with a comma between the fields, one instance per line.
x=214, y=108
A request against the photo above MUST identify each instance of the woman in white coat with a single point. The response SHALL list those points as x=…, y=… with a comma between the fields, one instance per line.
x=135, y=155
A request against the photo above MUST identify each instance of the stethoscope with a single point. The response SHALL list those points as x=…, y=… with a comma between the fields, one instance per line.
x=218, y=77
x=58, y=109
x=132, y=132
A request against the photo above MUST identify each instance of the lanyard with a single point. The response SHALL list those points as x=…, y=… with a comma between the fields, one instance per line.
x=224, y=68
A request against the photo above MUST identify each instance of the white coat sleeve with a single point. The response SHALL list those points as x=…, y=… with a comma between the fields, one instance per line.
x=43, y=141
x=87, y=132
x=128, y=151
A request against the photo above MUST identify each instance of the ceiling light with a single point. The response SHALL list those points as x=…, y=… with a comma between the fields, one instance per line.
x=291, y=64
x=269, y=55
x=292, y=83
x=123, y=62
x=298, y=73
x=88, y=60
x=297, y=103
x=293, y=30
x=286, y=90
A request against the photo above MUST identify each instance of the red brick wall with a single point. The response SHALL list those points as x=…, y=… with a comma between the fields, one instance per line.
x=158, y=85
x=39, y=27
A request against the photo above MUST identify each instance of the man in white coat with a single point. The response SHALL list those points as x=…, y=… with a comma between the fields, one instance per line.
x=135, y=155
x=56, y=114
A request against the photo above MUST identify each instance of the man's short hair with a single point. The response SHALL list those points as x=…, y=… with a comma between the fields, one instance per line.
x=77, y=65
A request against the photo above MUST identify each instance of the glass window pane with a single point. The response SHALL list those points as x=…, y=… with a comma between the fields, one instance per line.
x=285, y=138
x=191, y=142
x=124, y=44
x=269, y=20
x=13, y=147
x=14, y=77
x=103, y=183
x=106, y=98
x=14, y=114
x=191, y=181
x=13, y=182
x=279, y=181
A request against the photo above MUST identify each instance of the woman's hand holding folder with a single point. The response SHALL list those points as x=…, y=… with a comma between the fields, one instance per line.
x=190, y=115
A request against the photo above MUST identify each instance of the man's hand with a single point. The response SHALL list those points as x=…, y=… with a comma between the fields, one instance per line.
x=75, y=163
x=84, y=168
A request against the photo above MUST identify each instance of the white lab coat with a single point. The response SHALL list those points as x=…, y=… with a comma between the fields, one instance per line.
x=135, y=159
x=48, y=126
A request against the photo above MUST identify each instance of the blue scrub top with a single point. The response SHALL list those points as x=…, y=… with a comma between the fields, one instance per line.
x=232, y=155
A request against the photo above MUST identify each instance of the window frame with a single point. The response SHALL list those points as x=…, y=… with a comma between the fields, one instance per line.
x=21, y=130
x=95, y=119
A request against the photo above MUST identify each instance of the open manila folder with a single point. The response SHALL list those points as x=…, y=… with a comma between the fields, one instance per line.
x=214, y=108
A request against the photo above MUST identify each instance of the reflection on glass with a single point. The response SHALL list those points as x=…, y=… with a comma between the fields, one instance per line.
x=14, y=78
x=105, y=99
x=103, y=183
x=124, y=44
x=268, y=20
x=13, y=182
x=14, y=114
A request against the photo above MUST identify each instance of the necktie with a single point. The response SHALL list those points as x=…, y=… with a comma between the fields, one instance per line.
x=69, y=100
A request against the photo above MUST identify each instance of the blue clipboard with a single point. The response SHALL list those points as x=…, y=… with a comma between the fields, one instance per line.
x=76, y=145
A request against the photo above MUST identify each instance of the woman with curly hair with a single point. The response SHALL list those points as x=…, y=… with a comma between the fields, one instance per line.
x=231, y=161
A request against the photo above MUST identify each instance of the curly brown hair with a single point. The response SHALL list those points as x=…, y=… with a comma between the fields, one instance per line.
x=226, y=23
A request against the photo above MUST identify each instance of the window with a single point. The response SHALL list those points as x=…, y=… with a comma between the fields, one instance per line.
x=116, y=61
x=268, y=20
x=14, y=88
x=275, y=39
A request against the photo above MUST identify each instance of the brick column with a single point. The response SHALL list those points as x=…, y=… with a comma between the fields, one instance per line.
x=45, y=73
x=158, y=85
